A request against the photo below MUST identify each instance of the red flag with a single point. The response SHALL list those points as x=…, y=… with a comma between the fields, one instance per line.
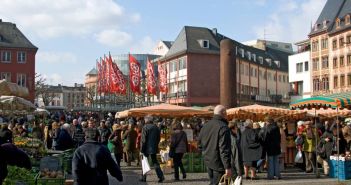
x=98, y=83
x=103, y=76
x=151, y=83
x=120, y=79
x=134, y=75
x=113, y=84
x=163, y=78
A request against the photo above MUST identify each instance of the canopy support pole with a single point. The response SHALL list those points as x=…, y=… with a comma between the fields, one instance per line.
x=316, y=138
x=337, y=139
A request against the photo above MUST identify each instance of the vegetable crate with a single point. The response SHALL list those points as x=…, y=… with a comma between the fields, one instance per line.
x=50, y=181
x=340, y=169
x=193, y=163
x=20, y=182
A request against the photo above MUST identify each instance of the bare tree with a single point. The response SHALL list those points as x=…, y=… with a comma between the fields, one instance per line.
x=42, y=90
x=91, y=93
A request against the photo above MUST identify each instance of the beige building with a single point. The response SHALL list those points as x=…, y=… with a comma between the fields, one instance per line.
x=90, y=83
x=331, y=49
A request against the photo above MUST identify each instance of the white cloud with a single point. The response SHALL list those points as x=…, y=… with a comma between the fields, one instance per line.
x=291, y=22
x=260, y=2
x=53, y=79
x=113, y=38
x=145, y=45
x=50, y=57
x=48, y=19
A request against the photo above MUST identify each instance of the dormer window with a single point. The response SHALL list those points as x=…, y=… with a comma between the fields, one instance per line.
x=249, y=55
x=269, y=61
x=277, y=62
x=205, y=43
x=316, y=27
x=1, y=38
x=347, y=19
x=325, y=22
x=260, y=59
x=254, y=57
x=337, y=22
x=242, y=53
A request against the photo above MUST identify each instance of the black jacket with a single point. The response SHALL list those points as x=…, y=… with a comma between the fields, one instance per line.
x=179, y=141
x=64, y=141
x=150, y=138
x=271, y=139
x=236, y=157
x=90, y=164
x=5, y=136
x=104, y=135
x=250, y=145
x=215, y=144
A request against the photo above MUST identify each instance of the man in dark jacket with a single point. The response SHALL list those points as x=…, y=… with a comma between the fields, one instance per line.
x=64, y=140
x=5, y=134
x=271, y=140
x=150, y=138
x=92, y=160
x=215, y=143
x=104, y=133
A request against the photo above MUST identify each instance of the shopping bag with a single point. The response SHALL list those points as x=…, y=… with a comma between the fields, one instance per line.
x=145, y=165
x=225, y=180
x=111, y=146
x=298, y=157
x=237, y=180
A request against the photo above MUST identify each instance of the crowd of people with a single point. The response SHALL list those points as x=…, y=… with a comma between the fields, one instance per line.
x=232, y=148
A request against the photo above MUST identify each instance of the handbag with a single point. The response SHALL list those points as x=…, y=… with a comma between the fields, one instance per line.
x=172, y=149
x=145, y=165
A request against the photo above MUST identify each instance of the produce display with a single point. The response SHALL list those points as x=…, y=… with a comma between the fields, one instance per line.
x=46, y=173
x=33, y=147
x=18, y=175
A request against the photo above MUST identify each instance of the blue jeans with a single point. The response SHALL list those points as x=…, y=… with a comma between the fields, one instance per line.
x=273, y=167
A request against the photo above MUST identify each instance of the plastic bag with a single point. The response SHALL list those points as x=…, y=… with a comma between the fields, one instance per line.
x=145, y=165
x=298, y=157
x=238, y=180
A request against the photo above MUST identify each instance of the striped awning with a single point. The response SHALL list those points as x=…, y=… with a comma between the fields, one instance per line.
x=340, y=100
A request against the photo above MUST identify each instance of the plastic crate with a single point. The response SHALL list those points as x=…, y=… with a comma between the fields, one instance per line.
x=198, y=168
x=21, y=182
x=50, y=181
x=340, y=169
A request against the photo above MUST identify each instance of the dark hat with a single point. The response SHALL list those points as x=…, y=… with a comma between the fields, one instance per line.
x=91, y=133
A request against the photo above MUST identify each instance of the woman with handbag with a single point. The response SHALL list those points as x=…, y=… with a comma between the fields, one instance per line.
x=179, y=146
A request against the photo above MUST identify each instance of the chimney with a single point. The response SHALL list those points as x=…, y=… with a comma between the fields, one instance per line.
x=214, y=31
x=75, y=85
x=0, y=20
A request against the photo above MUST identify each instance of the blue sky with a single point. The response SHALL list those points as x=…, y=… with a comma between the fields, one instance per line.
x=72, y=34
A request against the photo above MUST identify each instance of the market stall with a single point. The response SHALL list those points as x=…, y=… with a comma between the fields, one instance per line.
x=14, y=103
x=337, y=102
x=257, y=112
x=164, y=110
x=12, y=89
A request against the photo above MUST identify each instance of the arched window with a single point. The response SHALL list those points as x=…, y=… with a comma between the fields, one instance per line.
x=347, y=19
x=337, y=22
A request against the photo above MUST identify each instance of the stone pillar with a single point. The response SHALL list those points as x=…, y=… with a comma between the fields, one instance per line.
x=228, y=84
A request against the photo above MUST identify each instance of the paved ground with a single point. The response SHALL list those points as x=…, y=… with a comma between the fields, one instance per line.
x=290, y=177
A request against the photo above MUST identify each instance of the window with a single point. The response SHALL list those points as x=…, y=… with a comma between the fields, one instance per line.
x=182, y=63
x=315, y=45
x=172, y=66
x=260, y=59
x=21, y=57
x=299, y=68
x=275, y=77
x=284, y=78
x=335, y=81
x=306, y=66
x=249, y=55
x=315, y=64
x=269, y=76
x=280, y=78
x=254, y=57
x=348, y=39
x=337, y=22
x=325, y=62
x=325, y=43
x=342, y=80
x=326, y=83
x=241, y=69
x=335, y=46
x=341, y=59
x=341, y=42
x=21, y=79
x=335, y=63
x=316, y=84
x=5, y=76
x=6, y=56
x=205, y=43
x=242, y=53
x=347, y=19
x=349, y=59
x=349, y=79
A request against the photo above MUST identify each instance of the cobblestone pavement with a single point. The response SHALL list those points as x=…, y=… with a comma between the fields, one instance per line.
x=290, y=177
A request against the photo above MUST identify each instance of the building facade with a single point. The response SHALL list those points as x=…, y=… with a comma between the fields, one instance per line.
x=193, y=70
x=68, y=97
x=300, y=72
x=17, y=62
x=162, y=48
x=330, y=40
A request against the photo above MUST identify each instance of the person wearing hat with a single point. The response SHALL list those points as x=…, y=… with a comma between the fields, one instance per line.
x=92, y=160
x=116, y=139
x=130, y=137
x=5, y=134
